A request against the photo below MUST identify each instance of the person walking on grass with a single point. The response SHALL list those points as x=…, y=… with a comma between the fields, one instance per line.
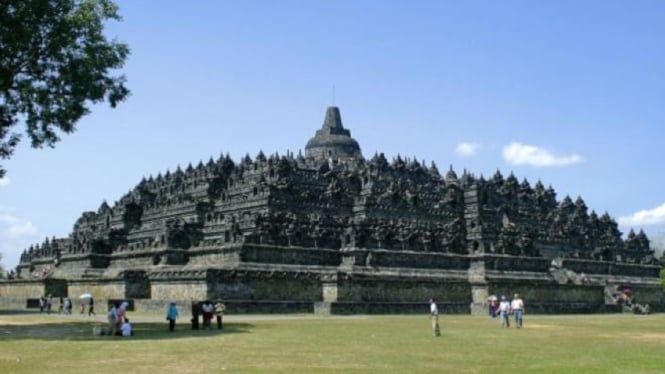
x=219, y=312
x=172, y=315
x=517, y=307
x=49, y=303
x=434, y=317
x=68, y=306
x=504, y=311
x=91, y=308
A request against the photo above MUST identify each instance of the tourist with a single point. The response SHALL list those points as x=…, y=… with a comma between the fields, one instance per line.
x=517, y=307
x=112, y=318
x=91, y=307
x=196, y=311
x=68, y=306
x=122, y=315
x=42, y=304
x=434, y=317
x=61, y=307
x=49, y=303
x=504, y=311
x=492, y=305
x=171, y=315
x=219, y=312
x=126, y=328
x=207, y=309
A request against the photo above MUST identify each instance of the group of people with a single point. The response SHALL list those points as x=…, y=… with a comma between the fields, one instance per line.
x=46, y=304
x=505, y=308
x=90, y=302
x=65, y=305
x=118, y=323
x=207, y=309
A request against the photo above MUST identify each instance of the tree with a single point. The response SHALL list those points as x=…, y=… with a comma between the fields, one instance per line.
x=55, y=61
x=3, y=275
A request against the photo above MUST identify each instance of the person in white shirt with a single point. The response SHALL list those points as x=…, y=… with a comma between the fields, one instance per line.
x=434, y=317
x=504, y=311
x=517, y=306
x=208, y=310
x=126, y=328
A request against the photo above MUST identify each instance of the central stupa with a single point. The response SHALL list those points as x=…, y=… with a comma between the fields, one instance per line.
x=333, y=141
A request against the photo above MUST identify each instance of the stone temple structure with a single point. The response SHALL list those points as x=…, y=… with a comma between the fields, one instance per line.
x=332, y=232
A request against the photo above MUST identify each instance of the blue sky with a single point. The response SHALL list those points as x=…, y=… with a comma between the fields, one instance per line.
x=568, y=92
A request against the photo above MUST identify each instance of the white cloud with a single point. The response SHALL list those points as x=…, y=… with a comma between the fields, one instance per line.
x=467, y=149
x=655, y=216
x=22, y=229
x=5, y=181
x=16, y=234
x=523, y=154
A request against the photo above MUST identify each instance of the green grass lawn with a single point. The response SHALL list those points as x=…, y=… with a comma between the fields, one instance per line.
x=31, y=343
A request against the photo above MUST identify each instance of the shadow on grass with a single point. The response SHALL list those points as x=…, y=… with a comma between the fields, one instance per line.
x=14, y=312
x=78, y=330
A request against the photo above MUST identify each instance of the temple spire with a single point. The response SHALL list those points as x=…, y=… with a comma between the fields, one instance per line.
x=333, y=120
x=333, y=140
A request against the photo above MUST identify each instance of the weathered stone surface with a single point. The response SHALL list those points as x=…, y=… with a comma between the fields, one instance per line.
x=335, y=232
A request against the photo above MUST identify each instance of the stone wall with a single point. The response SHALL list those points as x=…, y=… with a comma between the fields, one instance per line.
x=25, y=289
x=264, y=285
x=404, y=259
x=213, y=256
x=142, y=259
x=289, y=255
x=163, y=290
x=515, y=264
x=99, y=289
x=635, y=270
x=286, y=279
x=396, y=289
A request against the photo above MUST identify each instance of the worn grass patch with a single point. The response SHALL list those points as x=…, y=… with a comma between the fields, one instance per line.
x=31, y=343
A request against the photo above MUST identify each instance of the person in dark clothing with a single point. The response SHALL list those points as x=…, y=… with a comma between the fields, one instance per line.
x=91, y=308
x=196, y=311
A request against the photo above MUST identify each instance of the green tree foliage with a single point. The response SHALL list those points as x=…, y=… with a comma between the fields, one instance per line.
x=55, y=61
x=662, y=278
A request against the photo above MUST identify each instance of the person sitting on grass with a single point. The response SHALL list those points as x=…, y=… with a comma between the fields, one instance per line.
x=126, y=328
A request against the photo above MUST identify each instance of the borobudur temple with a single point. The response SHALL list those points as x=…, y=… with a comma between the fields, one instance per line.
x=332, y=232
